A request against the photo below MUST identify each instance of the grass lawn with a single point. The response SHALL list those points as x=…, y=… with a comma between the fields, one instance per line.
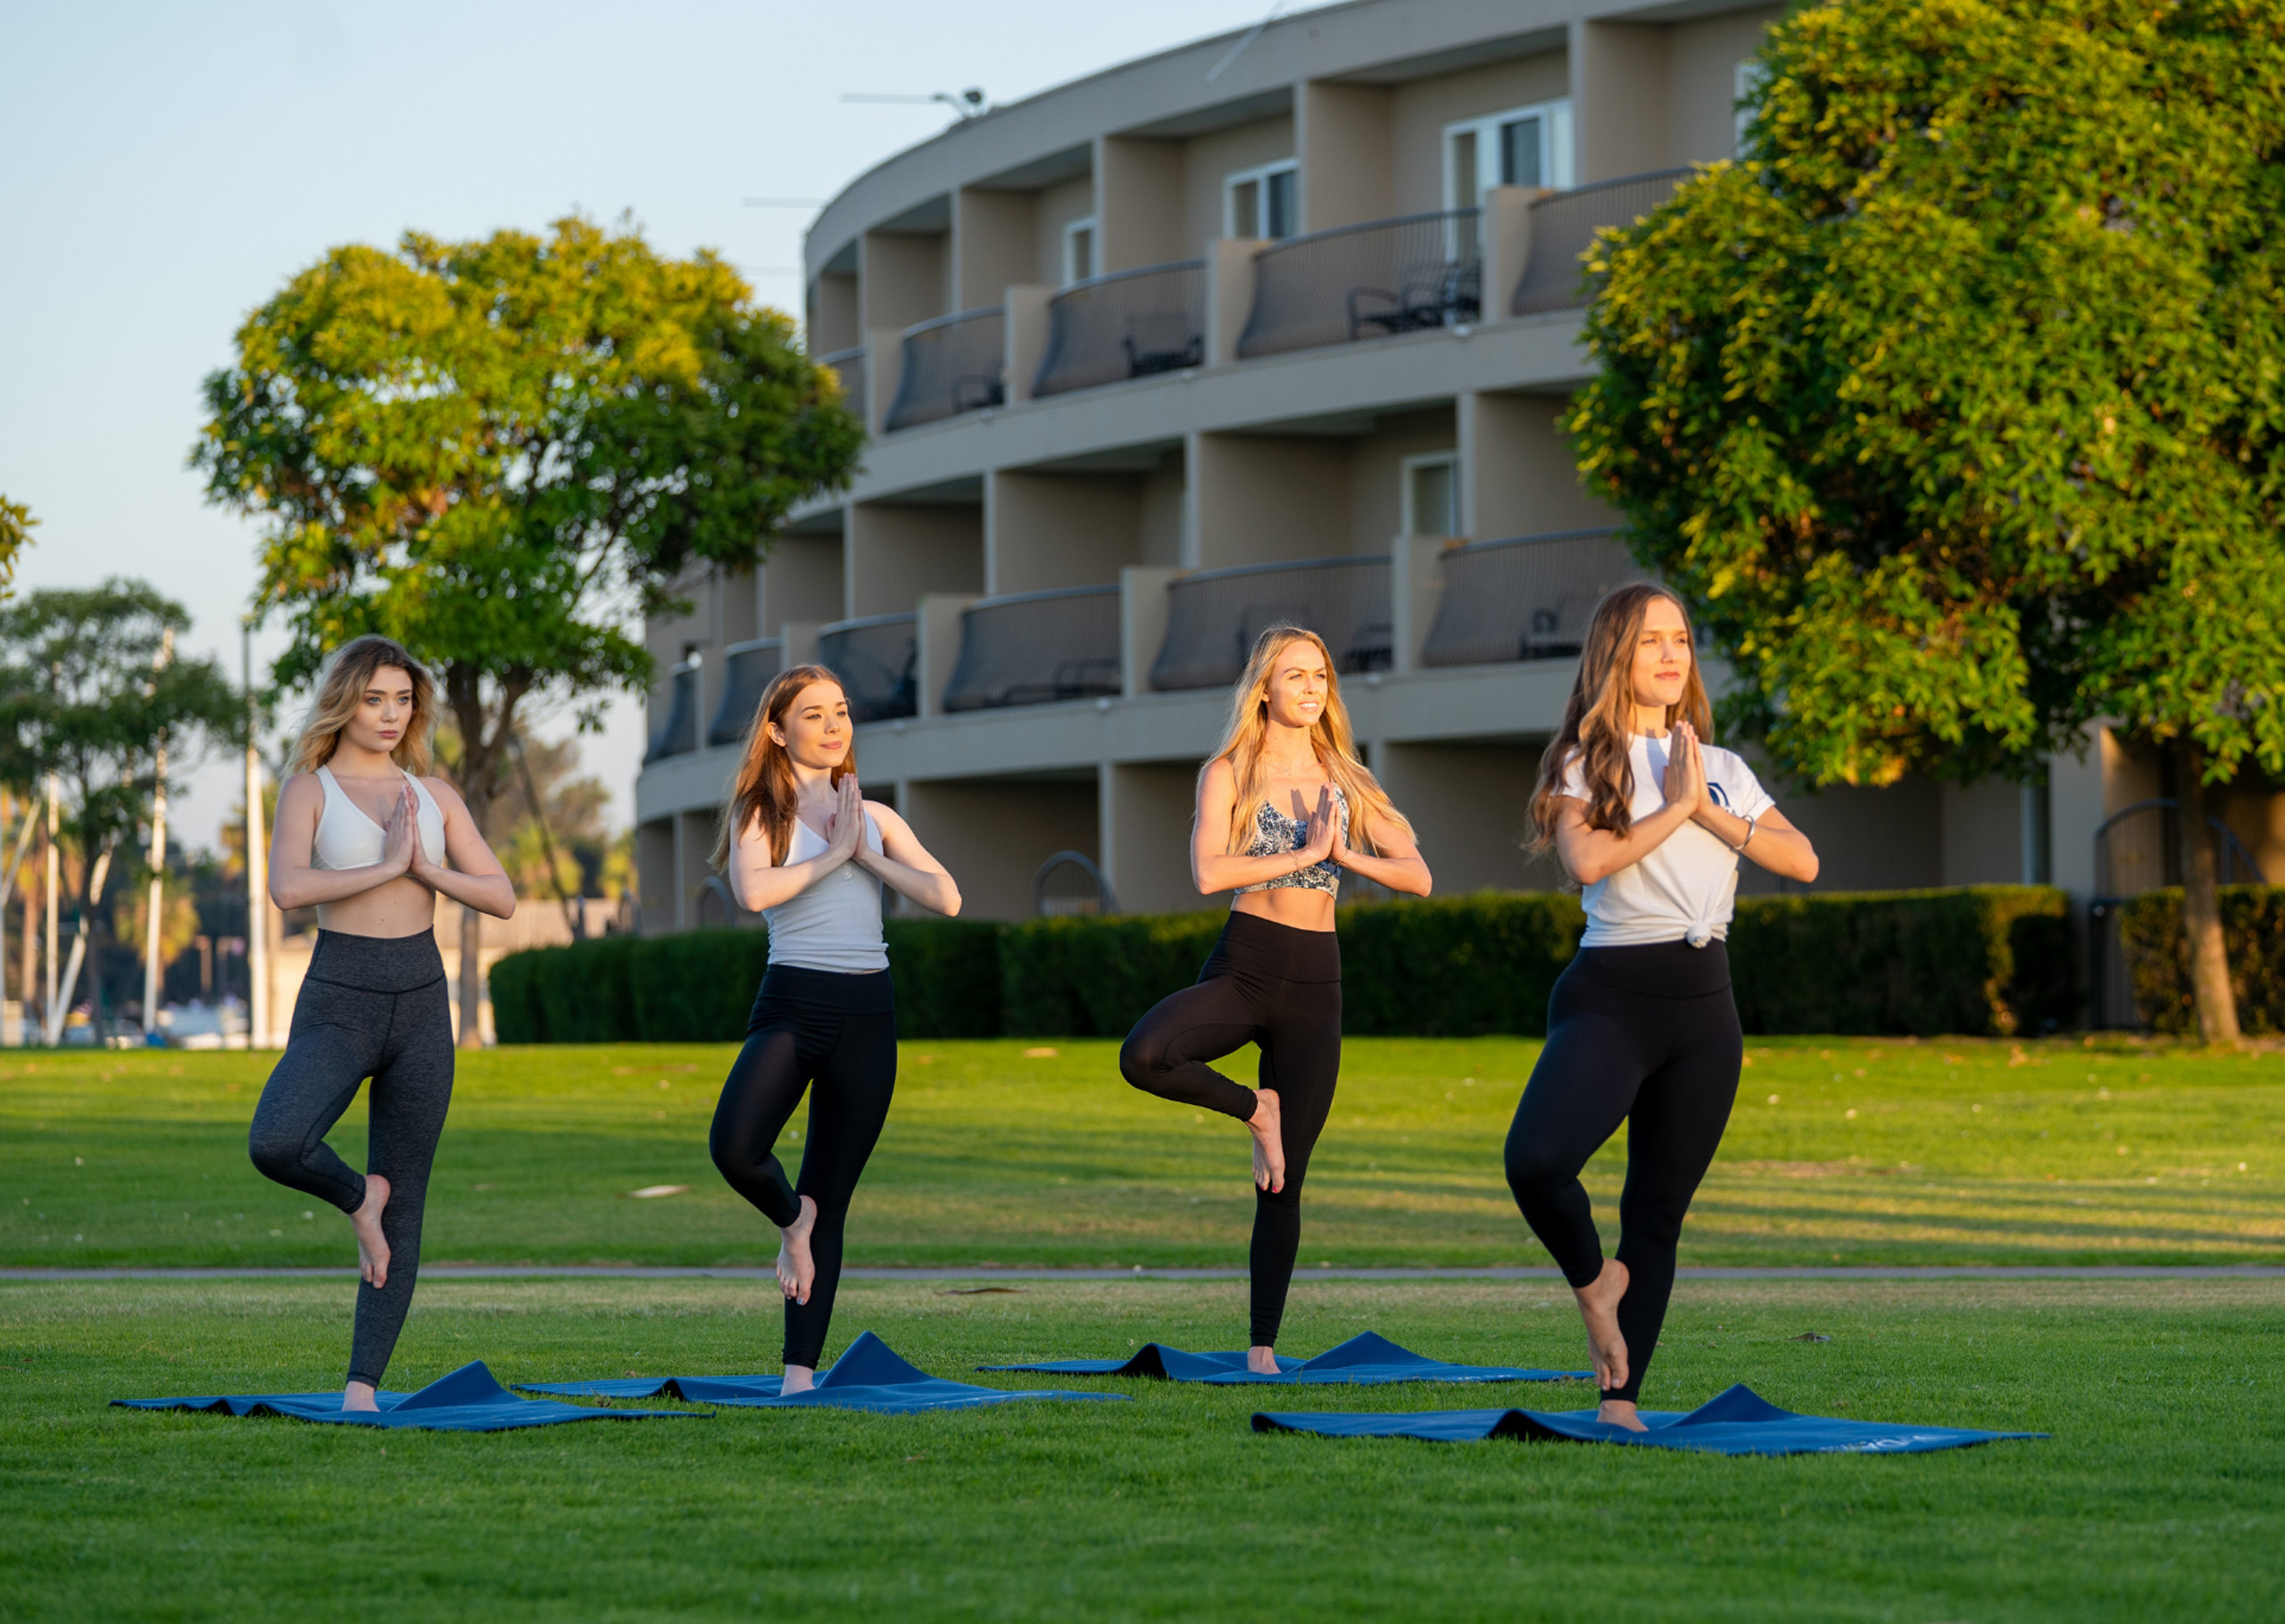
x=2159, y=1495
x=1841, y=1151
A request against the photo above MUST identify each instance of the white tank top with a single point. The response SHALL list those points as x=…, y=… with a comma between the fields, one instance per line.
x=348, y=837
x=835, y=924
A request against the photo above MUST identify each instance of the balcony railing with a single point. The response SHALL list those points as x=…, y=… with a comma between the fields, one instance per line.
x=1035, y=647
x=877, y=660
x=1214, y=616
x=1529, y=597
x=1563, y=226
x=1131, y=324
x=950, y=366
x=849, y=367
x=1390, y=276
x=746, y=671
x=678, y=735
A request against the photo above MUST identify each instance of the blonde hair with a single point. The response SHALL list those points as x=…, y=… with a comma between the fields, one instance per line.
x=1331, y=738
x=764, y=788
x=1598, y=718
x=342, y=681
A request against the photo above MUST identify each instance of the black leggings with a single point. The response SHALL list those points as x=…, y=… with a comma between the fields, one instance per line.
x=1278, y=987
x=839, y=1032
x=1648, y=1034
x=370, y=1007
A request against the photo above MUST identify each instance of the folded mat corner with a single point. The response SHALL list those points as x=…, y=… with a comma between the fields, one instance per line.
x=1735, y=1421
x=468, y=1400
x=1367, y=1359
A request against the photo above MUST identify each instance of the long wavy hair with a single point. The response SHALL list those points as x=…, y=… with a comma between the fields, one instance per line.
x=341, y=682
x=1598, y=718
x=1332, y=738
x=764, y=789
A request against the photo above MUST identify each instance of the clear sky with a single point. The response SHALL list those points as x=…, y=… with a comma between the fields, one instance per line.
x=166, y=167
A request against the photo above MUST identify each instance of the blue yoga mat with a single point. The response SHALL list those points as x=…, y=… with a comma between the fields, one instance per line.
x=1367, y=1359
x=468, y=1400
x=1738, y=1421
x=870, y=1376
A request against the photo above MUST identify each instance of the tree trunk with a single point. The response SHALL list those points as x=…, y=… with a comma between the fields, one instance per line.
x=2201, y=902
x=482, y=753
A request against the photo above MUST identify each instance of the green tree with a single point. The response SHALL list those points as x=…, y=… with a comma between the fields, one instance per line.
x=16, y=526
x=1955, y=405
x=503, y=451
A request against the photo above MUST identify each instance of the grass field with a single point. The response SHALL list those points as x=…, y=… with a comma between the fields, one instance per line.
x=2159, y=1497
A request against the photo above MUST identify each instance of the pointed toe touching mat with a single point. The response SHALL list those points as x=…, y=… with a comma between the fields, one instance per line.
x=1738, y=1421
x=870, y=1376
x=468, y=1400
x=1367, y=1360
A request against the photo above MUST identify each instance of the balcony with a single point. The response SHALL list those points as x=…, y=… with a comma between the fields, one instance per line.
x=877, y=660
x=949, y=365
x=1132, y=324
x=1390, y=276
x=849, y=367
x=1035, y=647
x=1214, y=616
x=1563, y=228
x=678, y=735
x=746, y=671
x=1529, y=597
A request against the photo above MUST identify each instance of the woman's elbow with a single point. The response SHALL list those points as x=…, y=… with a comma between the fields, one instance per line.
x=950, y=899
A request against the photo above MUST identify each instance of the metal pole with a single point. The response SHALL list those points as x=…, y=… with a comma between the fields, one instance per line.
x=55, y=1012
x=257, y=869
x=55, y=818
x=158, y=864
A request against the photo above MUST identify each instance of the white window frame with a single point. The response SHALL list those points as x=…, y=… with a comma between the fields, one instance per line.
x=1555, y=148
x=1749, y=77
x=1260, y=177
x=1448, y=460
x=1071, y=230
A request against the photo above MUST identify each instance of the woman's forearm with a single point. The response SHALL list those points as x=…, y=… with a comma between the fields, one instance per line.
x=765, y=886
x=1220, y=873
x=1592, y=855
x=1409, y=875
x=491, y=894
x=931, y=888
x=292, y=887
x=1782, y=852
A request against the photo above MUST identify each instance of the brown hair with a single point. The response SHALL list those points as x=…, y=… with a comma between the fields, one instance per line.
x=1332, y=740
x=341, y=689
x=764, y=789
x=1598, y=717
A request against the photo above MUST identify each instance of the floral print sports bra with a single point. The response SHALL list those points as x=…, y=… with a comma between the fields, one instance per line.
x=1274, y=831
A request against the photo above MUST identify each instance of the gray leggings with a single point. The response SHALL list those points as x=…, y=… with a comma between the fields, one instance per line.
x=370, y=1007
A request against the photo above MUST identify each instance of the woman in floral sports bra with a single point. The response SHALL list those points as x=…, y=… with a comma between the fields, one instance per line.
x=1279, y=803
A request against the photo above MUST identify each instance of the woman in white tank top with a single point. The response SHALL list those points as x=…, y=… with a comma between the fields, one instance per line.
x=801, y=845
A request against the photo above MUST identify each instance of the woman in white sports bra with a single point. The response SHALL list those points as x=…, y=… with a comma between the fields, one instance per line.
x=363, y=837
x=1284, y=806
x=801, y=846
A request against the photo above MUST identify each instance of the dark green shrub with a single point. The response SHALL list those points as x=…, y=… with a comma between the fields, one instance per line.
x=1455, y=967
x=579, y=993
x=2158, y=958
x=697, y=987
x=1084, y=977
x=1991, y=960
x=514, y=985
x=947, y=975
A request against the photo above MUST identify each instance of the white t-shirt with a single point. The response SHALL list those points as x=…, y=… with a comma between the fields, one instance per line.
x=1686, y=890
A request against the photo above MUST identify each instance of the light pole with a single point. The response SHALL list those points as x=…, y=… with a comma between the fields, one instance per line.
x=257, y=866
x=158, y=862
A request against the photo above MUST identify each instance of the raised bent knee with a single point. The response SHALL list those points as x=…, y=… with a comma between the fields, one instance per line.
x=277, y=1157
x=1142, y=1061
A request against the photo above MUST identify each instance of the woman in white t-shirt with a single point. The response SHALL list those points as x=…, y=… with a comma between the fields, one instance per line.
x=1641, y=1027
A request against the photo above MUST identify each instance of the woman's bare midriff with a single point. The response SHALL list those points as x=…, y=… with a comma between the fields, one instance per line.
x=401, y=907
x=1297, y=906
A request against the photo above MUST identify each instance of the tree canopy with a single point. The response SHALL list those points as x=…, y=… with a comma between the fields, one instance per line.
x=1955, y=405
x=16, y=524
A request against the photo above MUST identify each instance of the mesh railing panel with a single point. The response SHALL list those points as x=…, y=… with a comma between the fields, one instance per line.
x=746, y=671
x=1526, y=598
x=1129, y=324
x=949, y=365
x=1563, y=226
x=1392, y=275
x=678, y=735
x=1213, y=616
x=849, y=367
x=1035, y=647
x=877, y=661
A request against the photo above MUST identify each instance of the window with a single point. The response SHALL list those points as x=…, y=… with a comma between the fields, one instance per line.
x=1525, y=147
x=1263, y=202
x=1079, y=249
x=1749, y=77
x=1432, y=495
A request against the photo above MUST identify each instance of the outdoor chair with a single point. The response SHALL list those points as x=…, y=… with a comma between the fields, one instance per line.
x=1438, y=292
x=1161, y=341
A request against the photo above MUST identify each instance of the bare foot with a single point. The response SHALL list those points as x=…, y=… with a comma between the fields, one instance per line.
x=1598, y=1307
x=798, y=1377
x=359, y=1395
x=1266, y=1127
x=796, y=1271
x=1618, y=1412
x=372, y=1249
x=1262, y=1361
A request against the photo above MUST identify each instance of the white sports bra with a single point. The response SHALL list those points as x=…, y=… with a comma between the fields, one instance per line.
x=348, y=837
x=835, y=924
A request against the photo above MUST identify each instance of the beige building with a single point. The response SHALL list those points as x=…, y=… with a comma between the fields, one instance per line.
x=1228, y=335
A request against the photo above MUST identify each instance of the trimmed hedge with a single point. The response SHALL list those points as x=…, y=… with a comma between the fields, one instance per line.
x=1991, y=960
x=2158, y=958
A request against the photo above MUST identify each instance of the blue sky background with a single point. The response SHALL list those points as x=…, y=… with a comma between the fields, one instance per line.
x=165, y=168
